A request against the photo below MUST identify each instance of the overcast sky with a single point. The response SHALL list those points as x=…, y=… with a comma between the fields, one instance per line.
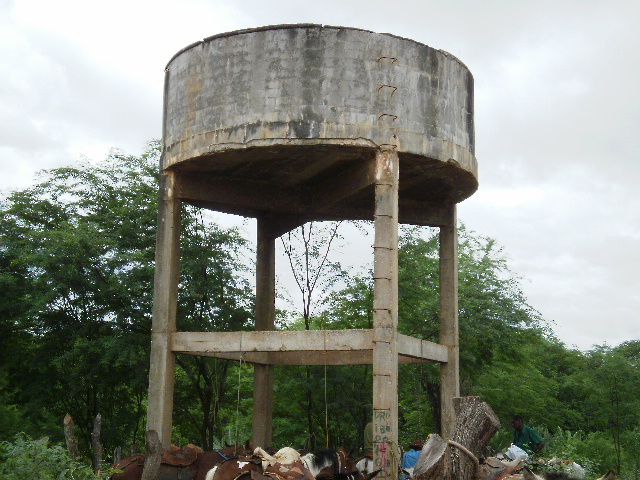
x=557, y=109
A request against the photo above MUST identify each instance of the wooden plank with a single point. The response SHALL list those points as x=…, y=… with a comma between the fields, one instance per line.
x=343, y=352
x=301, y=357
x=306, y=357
x=410, y=347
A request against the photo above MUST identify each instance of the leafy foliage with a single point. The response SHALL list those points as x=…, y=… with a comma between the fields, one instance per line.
x=28, y=458
x=494, y=316
x=83, y=258
x=77, y=255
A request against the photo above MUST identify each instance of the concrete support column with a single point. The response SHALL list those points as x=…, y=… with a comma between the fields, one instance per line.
x=449, y=335
x=165, y=299
x=265, y=320
x=385, y=313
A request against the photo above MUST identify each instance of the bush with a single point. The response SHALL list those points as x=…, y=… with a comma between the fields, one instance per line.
x=594, y=451
x=37, y=460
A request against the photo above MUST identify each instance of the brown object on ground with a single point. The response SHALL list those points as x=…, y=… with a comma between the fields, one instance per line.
x=238, y=467
x=290, y=471
x=131, y=467
x=180, y=457
x=456, y=459
x=207, y=460
x=186, y=463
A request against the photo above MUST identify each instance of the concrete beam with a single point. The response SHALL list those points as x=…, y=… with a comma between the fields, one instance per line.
x=265, y=320
x=385, y=313
x=350, y=182
x=449, y=330
x=165, y=298
x=238, y=195
x=347, y=347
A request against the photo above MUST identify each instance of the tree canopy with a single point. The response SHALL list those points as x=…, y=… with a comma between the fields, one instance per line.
x=76, y=272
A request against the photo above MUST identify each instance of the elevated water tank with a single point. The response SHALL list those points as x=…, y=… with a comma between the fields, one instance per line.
x=279, y=111
x=294, y=123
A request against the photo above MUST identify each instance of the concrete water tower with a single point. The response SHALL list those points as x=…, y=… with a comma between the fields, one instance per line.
x=293, y=123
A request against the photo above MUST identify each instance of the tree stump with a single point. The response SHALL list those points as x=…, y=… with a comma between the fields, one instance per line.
x=431, y=463
x=154, y=454
x=96, y=445
x=456, y=459
x=70, y=437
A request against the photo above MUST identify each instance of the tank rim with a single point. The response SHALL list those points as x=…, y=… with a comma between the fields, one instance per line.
x=286, y=26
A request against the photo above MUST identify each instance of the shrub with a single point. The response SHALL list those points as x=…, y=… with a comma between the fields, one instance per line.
x=36, y=459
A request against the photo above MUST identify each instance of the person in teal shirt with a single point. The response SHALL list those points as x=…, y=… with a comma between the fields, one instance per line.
x=410, y=457
x=526, y=437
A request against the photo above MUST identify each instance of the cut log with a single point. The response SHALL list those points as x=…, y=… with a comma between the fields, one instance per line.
x=432, y=461
x=476, y=424
x=154, y=453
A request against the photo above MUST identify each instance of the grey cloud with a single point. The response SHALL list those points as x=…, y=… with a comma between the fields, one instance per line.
x=101, y=103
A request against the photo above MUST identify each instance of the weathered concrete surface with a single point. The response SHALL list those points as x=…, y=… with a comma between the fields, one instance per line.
x=385, y=313
x=294, y=105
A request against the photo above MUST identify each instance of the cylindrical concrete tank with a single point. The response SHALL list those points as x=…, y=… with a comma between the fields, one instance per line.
x=290, y=106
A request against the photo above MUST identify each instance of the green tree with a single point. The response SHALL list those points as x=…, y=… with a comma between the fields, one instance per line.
x=308, y=248
x=493, y=311
x=78, y=247
x=76, y=270
x=611, y=380
x=495, y=320
x=351, y=403
x=77, y=256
